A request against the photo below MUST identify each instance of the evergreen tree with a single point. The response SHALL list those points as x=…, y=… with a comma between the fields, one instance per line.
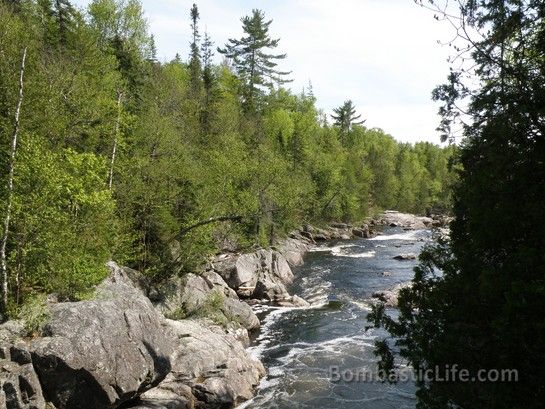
x=195, y=66
x=208, y=80
x=345, y=117
x=253, y=63
x=64, y=14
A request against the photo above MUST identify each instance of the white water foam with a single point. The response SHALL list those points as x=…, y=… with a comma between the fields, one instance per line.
x=340, y=251
x=410, y=235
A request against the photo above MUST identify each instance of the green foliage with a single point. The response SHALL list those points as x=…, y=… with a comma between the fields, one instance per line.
x=35, y=314
x=190, y=146
x=178, y=314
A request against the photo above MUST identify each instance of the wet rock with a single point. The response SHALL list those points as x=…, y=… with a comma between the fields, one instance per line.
x=390, y=297
x=293, y=301
x=405, y=256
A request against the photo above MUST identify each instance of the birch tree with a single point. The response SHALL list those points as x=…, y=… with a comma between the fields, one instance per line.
x=7, y=218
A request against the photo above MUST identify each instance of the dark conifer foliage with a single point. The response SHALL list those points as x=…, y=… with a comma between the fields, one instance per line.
x=252, y=59
x=345, y=117
x=486, y=309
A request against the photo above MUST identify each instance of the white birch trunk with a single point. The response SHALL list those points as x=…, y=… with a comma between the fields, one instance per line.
x=7, y=219
x=116, y=136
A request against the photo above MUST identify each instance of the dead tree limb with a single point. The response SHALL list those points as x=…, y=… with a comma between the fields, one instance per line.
x=186, y=230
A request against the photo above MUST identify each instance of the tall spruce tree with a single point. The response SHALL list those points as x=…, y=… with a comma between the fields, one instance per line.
x=195, y=65
x=252, y=60
x=208, y=80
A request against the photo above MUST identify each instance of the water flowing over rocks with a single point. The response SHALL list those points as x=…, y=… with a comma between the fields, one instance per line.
x=119, y=350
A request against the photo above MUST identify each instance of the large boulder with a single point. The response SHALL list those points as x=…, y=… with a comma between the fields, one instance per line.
x=104, y=352
x=211, y=363
x=293, y=249
x=181, y=294
x=263, y=274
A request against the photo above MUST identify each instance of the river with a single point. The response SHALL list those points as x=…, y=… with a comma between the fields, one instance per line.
x=301, y=347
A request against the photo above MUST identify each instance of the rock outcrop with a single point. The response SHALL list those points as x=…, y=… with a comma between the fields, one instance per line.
x=404, y=220
x=19, y=384
x=104, y=352
x=211, y=369
x=262, y=275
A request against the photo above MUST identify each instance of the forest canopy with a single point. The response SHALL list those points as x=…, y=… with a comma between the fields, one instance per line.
x=119, y=155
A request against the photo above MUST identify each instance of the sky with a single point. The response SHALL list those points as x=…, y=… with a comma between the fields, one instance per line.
x=384, y=55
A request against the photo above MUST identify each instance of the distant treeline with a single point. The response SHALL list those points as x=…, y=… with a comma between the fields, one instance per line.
x=119, y=156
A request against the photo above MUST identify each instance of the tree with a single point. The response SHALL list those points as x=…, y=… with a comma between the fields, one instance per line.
x=485, y=311
x=345, y=117
x=195, y=66
x=208, y=81
x=7, y=218
x=253, y=63
x=63, y=13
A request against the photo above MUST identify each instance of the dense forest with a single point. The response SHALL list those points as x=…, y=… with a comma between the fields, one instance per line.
x=485, y=311
x=108, y=153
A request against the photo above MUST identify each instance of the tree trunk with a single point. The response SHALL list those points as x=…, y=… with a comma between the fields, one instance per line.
x=3, y=263
x=116, y=136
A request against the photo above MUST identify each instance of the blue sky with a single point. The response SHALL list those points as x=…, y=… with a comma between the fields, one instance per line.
x=382, y=54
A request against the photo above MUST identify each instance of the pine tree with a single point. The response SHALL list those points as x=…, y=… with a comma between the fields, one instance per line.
x=195, y=66
x=345, y=118
x=64, y=13
x=250, y=57
x=208, y=80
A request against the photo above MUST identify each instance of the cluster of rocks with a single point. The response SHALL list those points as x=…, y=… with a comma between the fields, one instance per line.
x=408, y=221
x=336, y=231
x=141, y=346
x=119, y=350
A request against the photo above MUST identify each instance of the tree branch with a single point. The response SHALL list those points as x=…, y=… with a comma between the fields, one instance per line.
x=186, y=230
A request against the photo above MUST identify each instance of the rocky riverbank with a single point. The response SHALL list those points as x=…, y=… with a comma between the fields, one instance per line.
x=177, y=345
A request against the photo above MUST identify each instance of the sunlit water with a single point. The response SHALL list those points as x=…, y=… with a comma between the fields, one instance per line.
x=298, y=346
